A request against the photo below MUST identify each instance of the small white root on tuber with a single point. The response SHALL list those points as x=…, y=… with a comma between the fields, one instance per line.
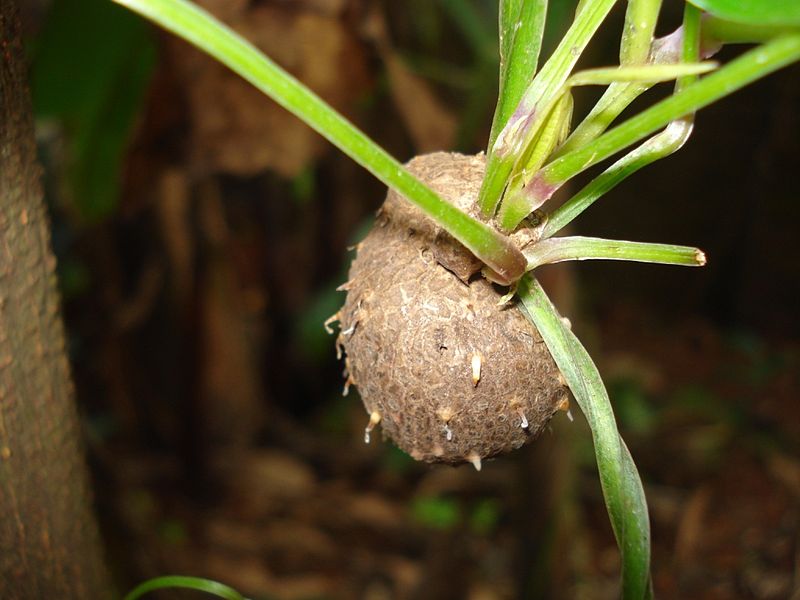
x=477, y=362
x=475, y=460
x=374, y=419
x=329, y=321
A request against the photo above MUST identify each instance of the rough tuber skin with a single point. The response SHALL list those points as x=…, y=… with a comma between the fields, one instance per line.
x=451, y=375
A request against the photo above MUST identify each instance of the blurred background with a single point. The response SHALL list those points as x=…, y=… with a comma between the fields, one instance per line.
x=201, y=232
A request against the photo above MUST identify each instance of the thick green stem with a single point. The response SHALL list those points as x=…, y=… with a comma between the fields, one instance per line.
x=201, y=29
x=561, y=249
x=637, y=33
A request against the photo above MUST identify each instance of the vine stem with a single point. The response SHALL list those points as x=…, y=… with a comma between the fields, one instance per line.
x=198, y=27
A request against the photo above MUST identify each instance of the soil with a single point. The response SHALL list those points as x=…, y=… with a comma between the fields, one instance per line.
x=317, y=513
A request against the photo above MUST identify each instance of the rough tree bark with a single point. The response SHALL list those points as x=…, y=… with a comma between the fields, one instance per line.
x=49, y=542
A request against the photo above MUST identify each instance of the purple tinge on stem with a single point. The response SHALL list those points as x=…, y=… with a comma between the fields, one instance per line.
x=505, y=267
x=668, y=49
x=514, y=132
x=539, y=191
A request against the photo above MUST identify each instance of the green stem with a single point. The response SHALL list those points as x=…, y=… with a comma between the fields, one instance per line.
x=517, y=201
x=188, y=583
x=744, y=70
x=659, y=146
x=526, y=119
x=553, y=250
x=521, y=30
x=619, y=479
x=637, y=34
x=713, y=34
x=201, y=29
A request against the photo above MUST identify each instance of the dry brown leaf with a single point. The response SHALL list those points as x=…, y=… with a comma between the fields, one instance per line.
x=264, y=474
x=235, y=128
x=691, y=526
x=431, y=126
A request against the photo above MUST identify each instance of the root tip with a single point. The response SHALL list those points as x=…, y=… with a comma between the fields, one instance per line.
x=475, y=460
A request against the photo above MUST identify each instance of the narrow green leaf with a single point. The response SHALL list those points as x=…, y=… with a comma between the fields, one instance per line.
x=188, y=583
x=524, y=122
x=201, y=29
x=654, y=73
x=620, y=95
x=517, y=203
x=553, y=250
x=521, y=30
x=551, y=134
x=754, y=12
x=622, y=487
x=749, y=67
x=659, y=146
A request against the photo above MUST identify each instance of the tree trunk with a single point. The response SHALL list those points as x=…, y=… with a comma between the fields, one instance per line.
x=49, y=542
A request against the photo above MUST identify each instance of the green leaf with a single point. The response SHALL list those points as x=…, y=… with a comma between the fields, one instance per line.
x=741, y=71
x=198, y=27
x=657, y=147
x=517, y=203
x=526, y=119
x=622, y=487
x=91, y=66
x=650, y=73
x=521, y=29
x=753, y=12
x=560, y=249
x=188, y=583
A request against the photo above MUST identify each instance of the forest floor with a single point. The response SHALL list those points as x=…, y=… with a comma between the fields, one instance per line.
x=712, y=421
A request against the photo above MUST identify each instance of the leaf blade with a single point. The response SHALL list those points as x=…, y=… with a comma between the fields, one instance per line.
x=198, y=27
x=753, y=12
x=622, y=487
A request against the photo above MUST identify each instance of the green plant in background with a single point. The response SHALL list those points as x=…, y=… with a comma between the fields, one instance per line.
x=96, y=95
x=534, y=150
